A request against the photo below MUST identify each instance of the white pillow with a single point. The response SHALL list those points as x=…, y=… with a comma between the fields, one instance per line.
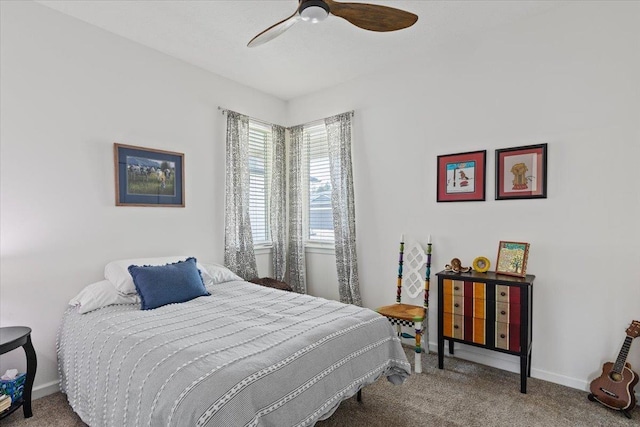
x=100, y=294
x=213, y=273
x=117, y=272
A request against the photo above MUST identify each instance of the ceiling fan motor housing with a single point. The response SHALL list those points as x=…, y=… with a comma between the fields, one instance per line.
x=313, y=10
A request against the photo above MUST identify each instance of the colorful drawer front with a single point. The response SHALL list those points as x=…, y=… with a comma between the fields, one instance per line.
x=508, y=336
x=464, y=310
x=453, y=326
x=508, y=317
x=477, y=312
x=455, y=304
x=470, y=296
x=454, y=287
x=464, y=328
x=509, y=294
x=508, y=313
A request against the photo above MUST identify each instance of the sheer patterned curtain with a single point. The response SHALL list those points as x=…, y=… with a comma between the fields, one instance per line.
x=278, y=202
x=342, y=201
x=296, y=263
x=238, y=245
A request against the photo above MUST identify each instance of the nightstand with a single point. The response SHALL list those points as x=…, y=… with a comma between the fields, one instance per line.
x=11, y=338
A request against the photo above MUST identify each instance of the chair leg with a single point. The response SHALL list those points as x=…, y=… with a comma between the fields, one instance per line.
x=418, y=368
x=425, y=335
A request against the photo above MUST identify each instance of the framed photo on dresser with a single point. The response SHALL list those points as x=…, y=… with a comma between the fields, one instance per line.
x=512, y=258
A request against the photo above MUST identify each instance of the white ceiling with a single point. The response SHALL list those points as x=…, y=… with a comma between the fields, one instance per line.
x=308, y=57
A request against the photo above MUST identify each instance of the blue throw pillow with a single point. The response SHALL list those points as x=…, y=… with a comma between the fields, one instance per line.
x=166, y=284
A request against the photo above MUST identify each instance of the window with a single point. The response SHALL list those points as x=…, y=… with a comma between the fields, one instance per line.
x=318, y=184
x=259, y=180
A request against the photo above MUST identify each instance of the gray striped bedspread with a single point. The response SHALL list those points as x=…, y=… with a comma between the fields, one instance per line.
x=245, y=356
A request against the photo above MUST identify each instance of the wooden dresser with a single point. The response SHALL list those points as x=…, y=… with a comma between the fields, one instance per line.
x=487, y=310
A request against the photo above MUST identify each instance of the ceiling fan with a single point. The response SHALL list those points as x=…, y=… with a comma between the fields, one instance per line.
x=368, y=16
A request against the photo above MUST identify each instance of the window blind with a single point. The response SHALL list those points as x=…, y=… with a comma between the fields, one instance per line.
x=318, y=183
x=259, y=180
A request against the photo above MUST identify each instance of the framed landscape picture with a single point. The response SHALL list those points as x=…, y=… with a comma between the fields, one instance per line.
x=512, y=258
x=148, y=177
x=461, y=177
x=521, y=172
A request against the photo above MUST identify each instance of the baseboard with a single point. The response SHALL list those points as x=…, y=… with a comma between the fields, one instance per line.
x=508, y=363
x=45, y=389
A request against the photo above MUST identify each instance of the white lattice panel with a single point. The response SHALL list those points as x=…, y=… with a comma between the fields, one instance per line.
x=415, y=259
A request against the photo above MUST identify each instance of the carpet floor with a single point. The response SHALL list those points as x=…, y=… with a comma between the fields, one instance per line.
x=463, y=394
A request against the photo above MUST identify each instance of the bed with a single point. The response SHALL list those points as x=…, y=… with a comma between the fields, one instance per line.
x=246, y=355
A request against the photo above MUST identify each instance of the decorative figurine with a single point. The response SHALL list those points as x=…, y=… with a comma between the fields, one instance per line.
x=456, y=267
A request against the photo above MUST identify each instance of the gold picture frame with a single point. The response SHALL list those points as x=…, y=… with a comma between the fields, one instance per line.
x=512, y=258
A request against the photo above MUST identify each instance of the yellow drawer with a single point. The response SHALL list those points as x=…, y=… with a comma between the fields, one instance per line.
x=479, y=308
x=453, y=326
x=453, y=287
x=479, y=290
x=479, y=331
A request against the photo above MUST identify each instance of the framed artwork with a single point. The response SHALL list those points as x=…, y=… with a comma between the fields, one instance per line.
x=512, y=258
x=461, y=177
x=148, y=177
x=521, y=172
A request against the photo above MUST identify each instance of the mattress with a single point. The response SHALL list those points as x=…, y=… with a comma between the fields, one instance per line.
x=245, y=356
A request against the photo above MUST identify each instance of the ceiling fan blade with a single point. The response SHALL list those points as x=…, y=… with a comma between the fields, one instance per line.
x=275, y=30
x=372, y=17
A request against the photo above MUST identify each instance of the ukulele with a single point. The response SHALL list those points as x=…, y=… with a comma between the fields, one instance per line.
x=614, y=388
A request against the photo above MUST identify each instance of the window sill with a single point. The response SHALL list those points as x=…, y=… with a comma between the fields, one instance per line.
x=309, y=247
x=320, y=248
x=262, y=248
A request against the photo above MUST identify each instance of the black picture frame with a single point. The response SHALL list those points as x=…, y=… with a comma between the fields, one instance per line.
x=528, y=168
x=148, y=177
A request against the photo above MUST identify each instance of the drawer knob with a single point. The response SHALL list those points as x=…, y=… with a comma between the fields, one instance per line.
x=503, y=294
x=503, y=336
x=456, y=305
x=503, y=312
x=457, y=288
x=456, y=327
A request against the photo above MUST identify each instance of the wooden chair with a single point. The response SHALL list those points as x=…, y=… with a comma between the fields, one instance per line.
x=415, y=316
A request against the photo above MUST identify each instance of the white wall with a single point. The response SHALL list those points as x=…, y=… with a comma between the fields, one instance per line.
x=69, y=91
x=570, y=78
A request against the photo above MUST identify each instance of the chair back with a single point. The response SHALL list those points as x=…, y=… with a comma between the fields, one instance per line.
x=410, y=265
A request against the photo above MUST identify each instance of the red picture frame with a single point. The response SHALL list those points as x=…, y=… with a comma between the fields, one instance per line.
x=462, y=177
x=521, y=172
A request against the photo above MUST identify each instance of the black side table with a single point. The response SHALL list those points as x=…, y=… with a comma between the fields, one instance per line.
x=11, y=338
